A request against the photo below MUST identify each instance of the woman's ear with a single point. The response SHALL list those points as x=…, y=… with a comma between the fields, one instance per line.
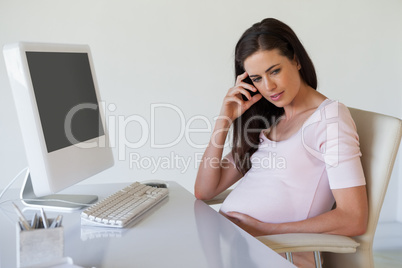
x=296, y=61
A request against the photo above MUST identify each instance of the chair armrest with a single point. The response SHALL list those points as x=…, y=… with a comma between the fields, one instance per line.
x=219, y=198
x=301, y=242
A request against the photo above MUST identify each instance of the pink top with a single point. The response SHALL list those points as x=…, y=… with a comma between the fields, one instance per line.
x=291, y=180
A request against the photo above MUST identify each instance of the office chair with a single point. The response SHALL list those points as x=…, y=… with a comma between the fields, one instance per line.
x=380, y=136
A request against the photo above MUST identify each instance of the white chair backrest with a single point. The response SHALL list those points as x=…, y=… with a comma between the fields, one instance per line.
x=380, y=136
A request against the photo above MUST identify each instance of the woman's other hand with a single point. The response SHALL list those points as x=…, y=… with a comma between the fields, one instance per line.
x=247, y=223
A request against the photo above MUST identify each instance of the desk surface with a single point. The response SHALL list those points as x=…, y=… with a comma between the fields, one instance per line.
x=181, y=232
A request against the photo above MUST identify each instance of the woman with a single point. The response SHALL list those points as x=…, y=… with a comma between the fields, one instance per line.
x=294, y=151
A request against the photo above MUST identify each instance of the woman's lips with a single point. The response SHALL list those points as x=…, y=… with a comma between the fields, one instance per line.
x=276, y=97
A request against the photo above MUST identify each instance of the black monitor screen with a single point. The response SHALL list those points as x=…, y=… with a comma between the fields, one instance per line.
x=66, y=99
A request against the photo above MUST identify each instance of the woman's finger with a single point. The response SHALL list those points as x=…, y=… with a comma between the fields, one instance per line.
x=241, y=77
x=243, y=89
x=247, y=86
x=253, y=100
x=234, y=99
x=240, y=90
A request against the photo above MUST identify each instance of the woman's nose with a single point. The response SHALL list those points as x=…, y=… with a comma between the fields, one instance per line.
x=269, y=84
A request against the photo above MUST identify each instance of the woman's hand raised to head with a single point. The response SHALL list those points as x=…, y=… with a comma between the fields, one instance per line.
x=214, y=175
x=233, y=104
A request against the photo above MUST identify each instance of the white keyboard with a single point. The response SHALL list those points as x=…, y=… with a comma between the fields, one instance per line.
x=121, y=208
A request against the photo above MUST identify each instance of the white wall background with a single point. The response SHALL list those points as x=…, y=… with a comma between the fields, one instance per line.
x=180, y=53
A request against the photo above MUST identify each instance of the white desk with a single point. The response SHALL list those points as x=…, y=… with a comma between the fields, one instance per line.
x=181, y=232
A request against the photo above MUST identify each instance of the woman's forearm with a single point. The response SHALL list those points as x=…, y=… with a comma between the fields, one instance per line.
x=333, y=222
x=210, y=169
x=348, y=218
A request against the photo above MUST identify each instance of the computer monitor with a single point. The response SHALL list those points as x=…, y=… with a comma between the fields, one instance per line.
x=63, y=127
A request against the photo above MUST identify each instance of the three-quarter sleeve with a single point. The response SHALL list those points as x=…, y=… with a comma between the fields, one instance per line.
x=331, y=136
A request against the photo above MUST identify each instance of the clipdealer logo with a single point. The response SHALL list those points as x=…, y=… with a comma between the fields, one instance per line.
x=118, y=124
x=118, y=138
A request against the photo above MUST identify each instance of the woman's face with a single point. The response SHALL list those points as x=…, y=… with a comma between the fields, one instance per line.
x=275, y=76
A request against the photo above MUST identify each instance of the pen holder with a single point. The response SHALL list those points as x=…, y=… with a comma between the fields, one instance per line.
x=38, y=246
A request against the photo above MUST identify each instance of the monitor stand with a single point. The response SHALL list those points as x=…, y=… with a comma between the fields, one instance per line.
x=54, y=201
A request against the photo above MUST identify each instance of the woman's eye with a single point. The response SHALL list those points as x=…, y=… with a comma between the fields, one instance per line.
x=276, y=71
x=255, y=80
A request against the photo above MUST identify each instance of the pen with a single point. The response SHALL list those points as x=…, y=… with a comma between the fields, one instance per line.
x=44, y=219
x=24, y=224
x=22, y=218
x=59, y=220
x=56, y=222
x=34, y=221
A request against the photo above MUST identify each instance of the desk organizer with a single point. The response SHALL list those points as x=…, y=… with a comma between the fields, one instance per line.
x=39, y=245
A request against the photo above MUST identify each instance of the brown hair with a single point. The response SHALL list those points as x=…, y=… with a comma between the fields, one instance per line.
x=268, y=34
